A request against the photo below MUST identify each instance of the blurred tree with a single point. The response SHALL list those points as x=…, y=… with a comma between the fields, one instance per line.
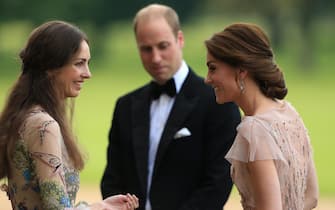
x=98, y=14
x=272, y=12
x=281, y=16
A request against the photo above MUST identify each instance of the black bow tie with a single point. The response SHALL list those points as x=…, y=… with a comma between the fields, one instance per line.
x=168, y=88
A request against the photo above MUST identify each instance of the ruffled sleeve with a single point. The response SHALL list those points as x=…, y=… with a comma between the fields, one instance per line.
x=255, y=140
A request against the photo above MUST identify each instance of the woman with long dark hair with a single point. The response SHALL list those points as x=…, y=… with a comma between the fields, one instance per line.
x=39, y=154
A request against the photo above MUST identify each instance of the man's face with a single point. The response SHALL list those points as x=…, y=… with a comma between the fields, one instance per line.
x=160, y=50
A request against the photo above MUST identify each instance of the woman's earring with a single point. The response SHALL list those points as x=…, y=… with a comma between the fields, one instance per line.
x=242, y=85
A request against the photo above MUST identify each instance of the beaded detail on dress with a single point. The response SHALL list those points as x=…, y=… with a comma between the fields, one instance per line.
x=278, y=135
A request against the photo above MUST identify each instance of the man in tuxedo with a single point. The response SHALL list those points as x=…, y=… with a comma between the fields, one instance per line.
x=167, y=144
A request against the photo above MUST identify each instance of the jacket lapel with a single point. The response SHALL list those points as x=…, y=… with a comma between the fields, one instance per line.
x=184, y=104
x=141, y=126
x=182, y=108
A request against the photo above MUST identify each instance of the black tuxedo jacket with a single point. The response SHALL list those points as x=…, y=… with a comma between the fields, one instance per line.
x=190, y=172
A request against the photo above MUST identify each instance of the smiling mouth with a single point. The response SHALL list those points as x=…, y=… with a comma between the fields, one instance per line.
x=79, y=84
x=217, y=89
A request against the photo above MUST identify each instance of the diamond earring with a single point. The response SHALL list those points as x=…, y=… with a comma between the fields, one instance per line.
x=242, y=85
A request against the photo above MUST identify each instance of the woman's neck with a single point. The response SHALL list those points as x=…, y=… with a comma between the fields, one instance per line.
x=257, y=103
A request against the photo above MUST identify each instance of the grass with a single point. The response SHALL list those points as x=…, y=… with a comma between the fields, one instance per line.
x=120, y=71
x=96, y=103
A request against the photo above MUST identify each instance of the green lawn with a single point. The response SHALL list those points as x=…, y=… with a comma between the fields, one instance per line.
x=120, y=70
x=95, y=105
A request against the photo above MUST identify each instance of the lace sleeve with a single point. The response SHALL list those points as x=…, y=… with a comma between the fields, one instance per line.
x=45, y=145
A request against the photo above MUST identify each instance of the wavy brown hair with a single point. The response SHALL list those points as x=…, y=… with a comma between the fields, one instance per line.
x=49, y=47
x=247, y=47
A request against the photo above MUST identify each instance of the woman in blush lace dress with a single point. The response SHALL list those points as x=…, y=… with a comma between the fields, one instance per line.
x=39, y=155
x=272, y=160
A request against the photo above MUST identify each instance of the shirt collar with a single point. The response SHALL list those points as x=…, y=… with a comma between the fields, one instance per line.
x=180, y=76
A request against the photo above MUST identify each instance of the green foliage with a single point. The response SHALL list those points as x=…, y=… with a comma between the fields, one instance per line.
x=98, y=12
x=118, y=70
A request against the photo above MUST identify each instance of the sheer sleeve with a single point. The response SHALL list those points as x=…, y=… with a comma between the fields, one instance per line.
x=45, y=145
x=255, y=141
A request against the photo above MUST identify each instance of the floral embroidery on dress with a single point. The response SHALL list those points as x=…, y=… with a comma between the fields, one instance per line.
x=27, y=169
x=41, y=181
x=72, y=183
x=49, y=159
x=43, y=129
x=53, y=196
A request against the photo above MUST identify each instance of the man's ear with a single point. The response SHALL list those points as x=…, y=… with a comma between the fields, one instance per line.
x=180, y=38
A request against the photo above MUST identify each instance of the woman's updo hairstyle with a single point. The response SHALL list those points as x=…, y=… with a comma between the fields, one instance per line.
x=247, y=47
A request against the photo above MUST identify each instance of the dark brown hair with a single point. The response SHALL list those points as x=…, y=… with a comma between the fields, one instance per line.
x=49, y=47
x=246, y=46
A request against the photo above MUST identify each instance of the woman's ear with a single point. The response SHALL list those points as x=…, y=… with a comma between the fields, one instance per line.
x=52, y=73
x=242, y=73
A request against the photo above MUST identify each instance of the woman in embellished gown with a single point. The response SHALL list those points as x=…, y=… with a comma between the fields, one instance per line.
x=39, y=155
x=272, y=160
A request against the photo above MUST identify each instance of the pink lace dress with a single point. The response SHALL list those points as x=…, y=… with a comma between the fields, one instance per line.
x=278, y=135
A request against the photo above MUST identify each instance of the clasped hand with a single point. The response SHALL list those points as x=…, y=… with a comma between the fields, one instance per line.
x=117, y=202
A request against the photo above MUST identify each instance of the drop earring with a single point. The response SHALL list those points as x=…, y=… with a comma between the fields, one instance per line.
x=242, y=85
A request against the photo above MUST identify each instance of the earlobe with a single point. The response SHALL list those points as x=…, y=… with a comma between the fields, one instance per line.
x=242, y=85
x=241, y=75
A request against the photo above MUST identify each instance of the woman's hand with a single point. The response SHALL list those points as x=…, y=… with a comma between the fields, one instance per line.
x=122, y=202
x=117, y=202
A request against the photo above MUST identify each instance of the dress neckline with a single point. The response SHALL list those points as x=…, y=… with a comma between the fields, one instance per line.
x=282, y=105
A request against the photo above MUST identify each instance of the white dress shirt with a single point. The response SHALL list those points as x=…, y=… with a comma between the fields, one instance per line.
x=159, y=112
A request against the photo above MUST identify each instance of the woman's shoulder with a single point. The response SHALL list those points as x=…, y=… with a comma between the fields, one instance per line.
x=250, y=123
x=38, y=115
x=255, y=129
x=38, y=122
